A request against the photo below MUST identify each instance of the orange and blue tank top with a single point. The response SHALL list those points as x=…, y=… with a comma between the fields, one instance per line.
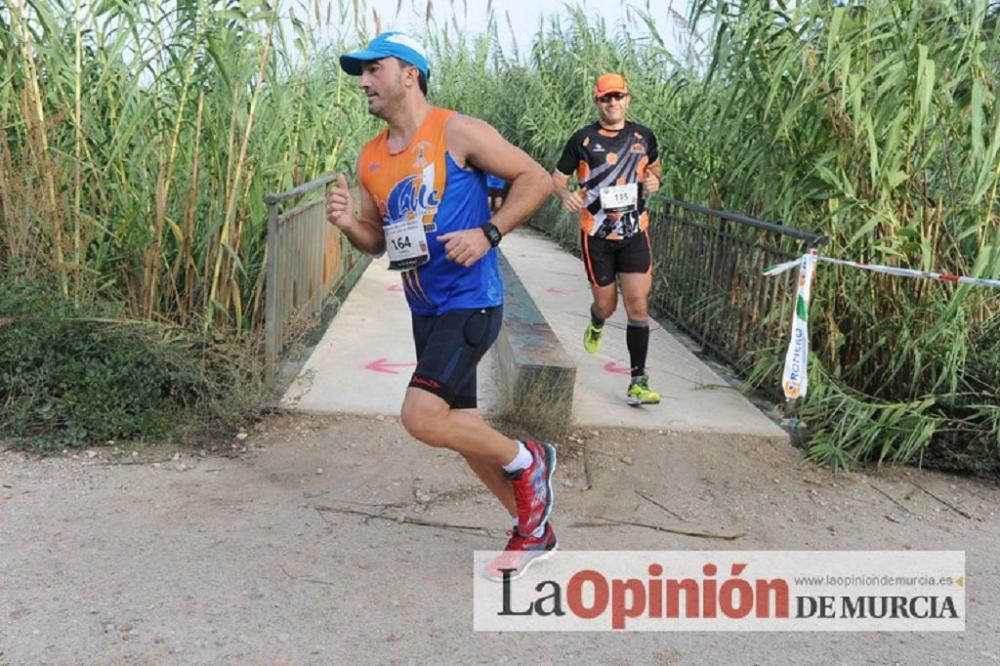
x=423, y=181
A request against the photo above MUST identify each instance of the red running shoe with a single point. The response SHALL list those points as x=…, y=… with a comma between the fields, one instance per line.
x=533, y=487
x=520, y=553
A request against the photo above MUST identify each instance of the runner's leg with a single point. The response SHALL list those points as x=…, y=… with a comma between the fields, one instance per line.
x=492, y=476
x=635, y=268
x=598, y=261
x=439, y=410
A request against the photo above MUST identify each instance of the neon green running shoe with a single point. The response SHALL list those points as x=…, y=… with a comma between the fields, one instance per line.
x=592, y=338
x=639, y=393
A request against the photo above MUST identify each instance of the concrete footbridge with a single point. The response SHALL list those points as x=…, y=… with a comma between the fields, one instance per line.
x=363, y=362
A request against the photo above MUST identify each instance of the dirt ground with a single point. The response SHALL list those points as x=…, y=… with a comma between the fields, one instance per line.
x=173, y=557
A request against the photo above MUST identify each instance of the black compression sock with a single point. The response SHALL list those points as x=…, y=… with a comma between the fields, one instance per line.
x=595, y=320
x=637, y=341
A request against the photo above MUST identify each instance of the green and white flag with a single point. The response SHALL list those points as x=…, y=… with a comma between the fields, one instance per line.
x=795, y=379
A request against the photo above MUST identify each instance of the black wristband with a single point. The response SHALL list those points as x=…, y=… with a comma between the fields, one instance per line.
x=493, y=234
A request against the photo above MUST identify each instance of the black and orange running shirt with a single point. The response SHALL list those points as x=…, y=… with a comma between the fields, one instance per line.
x=604, y=161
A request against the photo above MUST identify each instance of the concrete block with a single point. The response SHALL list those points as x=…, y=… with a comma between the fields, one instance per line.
x=535, y=372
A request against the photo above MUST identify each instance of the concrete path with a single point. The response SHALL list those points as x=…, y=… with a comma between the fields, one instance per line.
x=363, y=362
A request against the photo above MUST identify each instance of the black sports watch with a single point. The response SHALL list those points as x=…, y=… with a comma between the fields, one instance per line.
x=493, y=234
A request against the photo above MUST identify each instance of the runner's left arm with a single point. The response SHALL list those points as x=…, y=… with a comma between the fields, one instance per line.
x=653, y=175
x=473, y=141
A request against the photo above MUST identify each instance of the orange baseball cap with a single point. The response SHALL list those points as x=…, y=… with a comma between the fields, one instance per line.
x=610, y=83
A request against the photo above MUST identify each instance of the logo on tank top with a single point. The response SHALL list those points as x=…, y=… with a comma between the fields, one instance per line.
x=412, y=198
x=421, y=149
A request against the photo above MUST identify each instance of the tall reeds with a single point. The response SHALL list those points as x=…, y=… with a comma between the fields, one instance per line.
x=138, y=139
x=876, y=124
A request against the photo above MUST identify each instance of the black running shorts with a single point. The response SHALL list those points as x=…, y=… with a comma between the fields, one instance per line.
x=604, y=259
x=449, y=348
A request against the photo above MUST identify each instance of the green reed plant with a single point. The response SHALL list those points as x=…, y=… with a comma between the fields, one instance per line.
x=136, y=143
x=876, y=124
x=138, y=140
x=869, y=124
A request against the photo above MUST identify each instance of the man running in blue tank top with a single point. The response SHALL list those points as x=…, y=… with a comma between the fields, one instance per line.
x=423, y=201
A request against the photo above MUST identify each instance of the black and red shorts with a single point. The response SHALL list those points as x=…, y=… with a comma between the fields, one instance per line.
x=604, y=259
x=449, y=347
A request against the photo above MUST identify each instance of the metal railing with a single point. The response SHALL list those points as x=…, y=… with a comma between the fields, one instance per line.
x=709, y=280
x=307, y=259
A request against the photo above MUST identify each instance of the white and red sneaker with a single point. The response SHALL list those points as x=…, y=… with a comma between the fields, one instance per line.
x=520, y=553
x=533, y=487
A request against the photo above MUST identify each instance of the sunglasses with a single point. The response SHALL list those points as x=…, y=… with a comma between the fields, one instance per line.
x=604, y=99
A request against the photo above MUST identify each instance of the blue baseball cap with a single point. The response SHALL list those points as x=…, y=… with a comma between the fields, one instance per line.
x=385, y=45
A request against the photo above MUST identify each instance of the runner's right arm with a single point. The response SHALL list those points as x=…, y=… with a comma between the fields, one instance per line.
x=572, y=201
x=366, y=233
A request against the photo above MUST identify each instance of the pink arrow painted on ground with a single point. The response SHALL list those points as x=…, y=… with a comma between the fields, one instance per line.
x=394, y=287
x=556, y=290
x=611, y=366
x=383, y=365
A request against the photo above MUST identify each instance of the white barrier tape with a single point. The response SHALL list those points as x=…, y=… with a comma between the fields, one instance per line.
x=778, y=269
x=795, y=377
x=783, y=267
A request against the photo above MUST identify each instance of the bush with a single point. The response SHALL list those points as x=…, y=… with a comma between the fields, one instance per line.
x=72, y=377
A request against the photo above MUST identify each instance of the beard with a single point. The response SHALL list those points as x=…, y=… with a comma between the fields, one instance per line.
x=378, y=102
x=375, y=106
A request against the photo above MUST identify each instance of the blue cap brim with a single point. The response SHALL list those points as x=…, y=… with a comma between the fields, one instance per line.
x=386, y=45
x=352, y=63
